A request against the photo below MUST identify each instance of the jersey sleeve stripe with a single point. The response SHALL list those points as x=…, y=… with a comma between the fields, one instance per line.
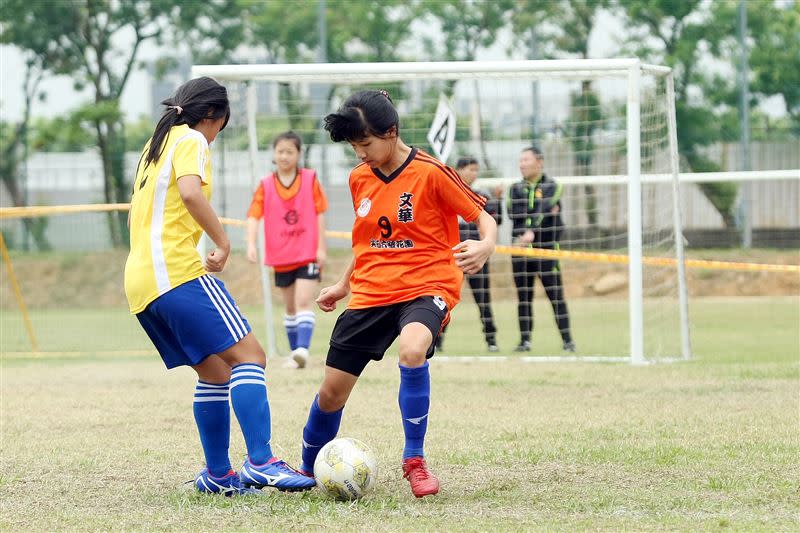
x=453, y=175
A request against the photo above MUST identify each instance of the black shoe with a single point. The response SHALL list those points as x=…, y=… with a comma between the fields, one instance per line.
x=569, y=347
x=491, y=344
x=524, y=346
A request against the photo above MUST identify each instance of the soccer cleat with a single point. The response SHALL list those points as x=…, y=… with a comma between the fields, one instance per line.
x=493, y=347
x=304, y=473
x=423, y=482
x=523, y=346
x=228, y=485
x=300, y=356
x=276, y=474
x=569, y=347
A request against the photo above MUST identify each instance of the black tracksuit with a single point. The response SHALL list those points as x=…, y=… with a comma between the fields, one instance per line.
x=479, y=282
x=529, y=207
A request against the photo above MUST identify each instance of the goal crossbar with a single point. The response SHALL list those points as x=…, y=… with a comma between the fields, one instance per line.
x=444, y=70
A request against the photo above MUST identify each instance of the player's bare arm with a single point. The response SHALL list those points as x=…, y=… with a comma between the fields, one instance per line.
x=322, y=245
x=330, y=295
x=197, y=205
x=471, y=255
x=252, y=237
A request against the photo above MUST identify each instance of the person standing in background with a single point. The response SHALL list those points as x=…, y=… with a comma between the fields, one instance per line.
x=467, y=168
x=292, y=204
x=534, y=207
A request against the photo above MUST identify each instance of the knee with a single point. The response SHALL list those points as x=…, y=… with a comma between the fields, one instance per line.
x=331, y=399
x=413, y=355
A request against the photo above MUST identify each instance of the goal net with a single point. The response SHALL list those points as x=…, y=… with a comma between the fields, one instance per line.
x=606, y=131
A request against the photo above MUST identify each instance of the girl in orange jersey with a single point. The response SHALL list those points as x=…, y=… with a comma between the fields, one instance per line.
x=292, y=204
x=405, y=276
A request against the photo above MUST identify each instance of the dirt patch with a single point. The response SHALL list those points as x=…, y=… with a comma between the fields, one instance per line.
x=91, y=280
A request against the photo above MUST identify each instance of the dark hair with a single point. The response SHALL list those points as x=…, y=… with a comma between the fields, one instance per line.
x=193, y=101
x=364, y=113
x=536, y=151
x=289, y=136
x=465, y=162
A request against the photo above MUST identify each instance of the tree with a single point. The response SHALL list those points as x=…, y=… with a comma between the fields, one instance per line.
x=774, y=56
x=570, y=24
x=467, y=26
x=97, y=43
x=678, y=34
x=367, y=31
x=15, y=144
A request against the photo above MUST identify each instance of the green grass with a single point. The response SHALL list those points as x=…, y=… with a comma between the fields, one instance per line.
x=105, y=442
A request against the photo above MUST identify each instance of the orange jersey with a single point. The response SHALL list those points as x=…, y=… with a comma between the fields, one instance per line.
x=405, y=227
x=256, y=209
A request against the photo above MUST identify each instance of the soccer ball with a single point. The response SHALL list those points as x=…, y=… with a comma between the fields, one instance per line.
x=345, y=469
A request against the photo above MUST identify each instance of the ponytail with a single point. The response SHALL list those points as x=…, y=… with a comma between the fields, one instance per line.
x=195, y=100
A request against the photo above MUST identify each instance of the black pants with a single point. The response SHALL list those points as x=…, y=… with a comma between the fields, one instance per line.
x=479, y=283
x=526, y=270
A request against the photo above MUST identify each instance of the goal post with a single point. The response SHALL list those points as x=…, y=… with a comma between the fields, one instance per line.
x=623, y=124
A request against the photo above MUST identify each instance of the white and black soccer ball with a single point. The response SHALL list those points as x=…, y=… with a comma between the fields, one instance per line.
x=345, y=469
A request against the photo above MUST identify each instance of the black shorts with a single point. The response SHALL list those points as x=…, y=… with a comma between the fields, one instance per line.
x=287, y=279
x=364, y=335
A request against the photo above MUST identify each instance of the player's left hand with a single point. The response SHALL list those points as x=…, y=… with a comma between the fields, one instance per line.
x=471, y=255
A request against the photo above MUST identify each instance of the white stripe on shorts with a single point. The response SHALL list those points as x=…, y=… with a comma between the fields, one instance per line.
x=221, y=313
x=231, y=305
x=233, y=315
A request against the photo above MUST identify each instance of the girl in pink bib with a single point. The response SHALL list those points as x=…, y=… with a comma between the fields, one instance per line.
x=292, y=204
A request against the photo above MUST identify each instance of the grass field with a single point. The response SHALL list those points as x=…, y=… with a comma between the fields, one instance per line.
x=105, y=442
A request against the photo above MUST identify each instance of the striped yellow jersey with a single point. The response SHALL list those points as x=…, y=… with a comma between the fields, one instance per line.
x=164, y=235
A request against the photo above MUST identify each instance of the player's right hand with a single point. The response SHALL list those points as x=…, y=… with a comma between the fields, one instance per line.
x=252, y=254
x=330, y=295
x=215, y=261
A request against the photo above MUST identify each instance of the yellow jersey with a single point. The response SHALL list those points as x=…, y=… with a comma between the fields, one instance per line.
x=164, y=236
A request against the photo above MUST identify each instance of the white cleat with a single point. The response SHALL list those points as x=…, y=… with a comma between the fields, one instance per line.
x=300, y=357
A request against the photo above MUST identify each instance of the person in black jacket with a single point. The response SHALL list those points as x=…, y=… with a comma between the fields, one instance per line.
x=534, y=207
x=467, y=168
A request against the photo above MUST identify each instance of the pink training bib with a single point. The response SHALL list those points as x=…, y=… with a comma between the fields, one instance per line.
x=290, y=226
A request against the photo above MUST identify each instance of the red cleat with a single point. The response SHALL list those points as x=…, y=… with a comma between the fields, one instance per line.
x=423, y=482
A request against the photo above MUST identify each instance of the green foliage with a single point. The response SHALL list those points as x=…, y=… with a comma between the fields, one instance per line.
x=466, y=25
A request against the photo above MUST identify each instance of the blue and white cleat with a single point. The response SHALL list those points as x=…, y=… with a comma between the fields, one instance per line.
x=276, y=474
x=228, y=485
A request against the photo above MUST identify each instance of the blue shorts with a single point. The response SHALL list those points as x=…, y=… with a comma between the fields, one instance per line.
x=193, y=321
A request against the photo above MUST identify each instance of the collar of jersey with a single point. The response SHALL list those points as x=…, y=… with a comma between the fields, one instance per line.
x=388, y=179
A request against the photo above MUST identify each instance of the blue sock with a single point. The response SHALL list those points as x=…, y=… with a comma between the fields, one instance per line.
x=305, y=328
x=249, y=399
x=213, y=417
x=321, y=428
x=290, y=323
x=415, y=400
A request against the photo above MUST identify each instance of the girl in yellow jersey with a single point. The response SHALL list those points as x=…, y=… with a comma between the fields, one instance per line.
x=187, y=313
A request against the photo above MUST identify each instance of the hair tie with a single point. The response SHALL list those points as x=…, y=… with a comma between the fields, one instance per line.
x=384, y=93
x=178, y=109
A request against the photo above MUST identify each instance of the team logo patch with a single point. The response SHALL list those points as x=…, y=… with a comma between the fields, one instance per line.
x=364, y=207
x=538, y=193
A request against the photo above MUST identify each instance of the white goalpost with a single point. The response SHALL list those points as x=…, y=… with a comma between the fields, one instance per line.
x=606, y=126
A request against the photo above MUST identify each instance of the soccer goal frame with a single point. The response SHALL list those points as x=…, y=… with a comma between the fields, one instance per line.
x=629, y=69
